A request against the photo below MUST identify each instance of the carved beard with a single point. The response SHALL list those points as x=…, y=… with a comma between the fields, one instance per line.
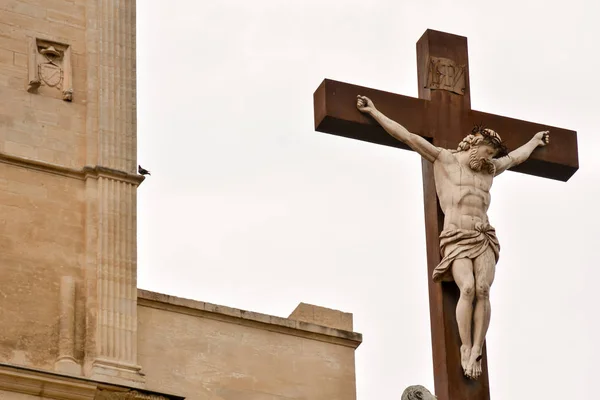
x=481, y=163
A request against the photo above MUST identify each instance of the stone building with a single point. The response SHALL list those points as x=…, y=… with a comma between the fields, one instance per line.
x=73, y=324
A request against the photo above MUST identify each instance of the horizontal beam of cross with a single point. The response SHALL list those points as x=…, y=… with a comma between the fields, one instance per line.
x=335, y=113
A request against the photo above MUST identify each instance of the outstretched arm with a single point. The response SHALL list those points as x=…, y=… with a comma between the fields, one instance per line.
x=415, y=142
x=521, y=154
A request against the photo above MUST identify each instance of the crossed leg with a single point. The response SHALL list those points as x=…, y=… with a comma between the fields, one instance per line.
x=485, y=269
x=462, y=272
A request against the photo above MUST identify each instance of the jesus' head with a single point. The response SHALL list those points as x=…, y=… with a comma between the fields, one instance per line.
x=483, y=144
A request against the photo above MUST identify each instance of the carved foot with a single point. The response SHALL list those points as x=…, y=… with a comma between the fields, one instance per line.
x=465, y=356
x=477, y=369
x=474, y=369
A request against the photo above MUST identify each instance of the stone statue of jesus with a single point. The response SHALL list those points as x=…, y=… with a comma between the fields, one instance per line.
x=468, y=244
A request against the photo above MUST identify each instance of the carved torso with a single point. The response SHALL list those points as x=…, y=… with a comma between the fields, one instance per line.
x=464, y=194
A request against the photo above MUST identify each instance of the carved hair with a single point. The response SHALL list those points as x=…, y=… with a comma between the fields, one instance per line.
x=468, y=142
x=416, y=392
x=481, y=134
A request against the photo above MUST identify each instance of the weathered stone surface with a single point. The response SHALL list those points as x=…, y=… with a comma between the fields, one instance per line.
x=34, y=126
x=202, y=351
x=29, y=384
x=41, y=240
x=322, y=316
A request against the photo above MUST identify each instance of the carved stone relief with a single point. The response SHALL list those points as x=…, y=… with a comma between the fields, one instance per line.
x=50, y=69
x=445, y=74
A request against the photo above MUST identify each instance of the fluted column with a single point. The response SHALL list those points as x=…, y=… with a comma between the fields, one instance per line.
x=116, y=273
x=117, y=100
x=111, y=273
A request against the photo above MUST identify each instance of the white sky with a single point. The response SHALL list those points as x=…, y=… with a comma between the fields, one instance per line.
x=249, y=207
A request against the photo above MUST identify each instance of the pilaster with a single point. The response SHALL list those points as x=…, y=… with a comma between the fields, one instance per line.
x=111, y=291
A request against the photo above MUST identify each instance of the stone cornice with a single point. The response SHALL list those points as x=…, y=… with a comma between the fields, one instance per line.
x=64, y=387
x=37, y=383
x=248, y=318
x=82, y=174
x=104, y=172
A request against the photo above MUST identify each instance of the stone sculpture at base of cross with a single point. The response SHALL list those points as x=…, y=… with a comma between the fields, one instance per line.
x=417, y=392
x=468, y=243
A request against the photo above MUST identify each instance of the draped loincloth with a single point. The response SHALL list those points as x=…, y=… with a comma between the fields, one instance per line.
x=464, y=243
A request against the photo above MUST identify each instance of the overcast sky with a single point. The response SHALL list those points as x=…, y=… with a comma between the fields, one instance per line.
x=249, y=207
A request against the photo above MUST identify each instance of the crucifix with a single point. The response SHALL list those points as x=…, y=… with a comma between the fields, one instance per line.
x=458, y=166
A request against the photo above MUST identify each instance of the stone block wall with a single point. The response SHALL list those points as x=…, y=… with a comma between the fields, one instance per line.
x=42, y=126
x=42, y=212
x=202, y=351
x=41, y=240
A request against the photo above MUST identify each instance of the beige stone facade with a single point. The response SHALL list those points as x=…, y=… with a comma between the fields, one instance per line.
x=206, y=351
x=73, y=323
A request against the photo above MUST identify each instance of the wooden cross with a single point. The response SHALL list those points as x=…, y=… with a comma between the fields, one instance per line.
x=442, y=114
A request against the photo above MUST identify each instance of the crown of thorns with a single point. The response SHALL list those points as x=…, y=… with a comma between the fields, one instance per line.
x=491, y=137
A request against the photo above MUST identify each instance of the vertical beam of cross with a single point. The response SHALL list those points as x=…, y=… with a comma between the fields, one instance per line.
x=448, y=107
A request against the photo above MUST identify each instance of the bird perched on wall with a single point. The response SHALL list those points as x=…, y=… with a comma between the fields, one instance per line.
x=143, y=171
